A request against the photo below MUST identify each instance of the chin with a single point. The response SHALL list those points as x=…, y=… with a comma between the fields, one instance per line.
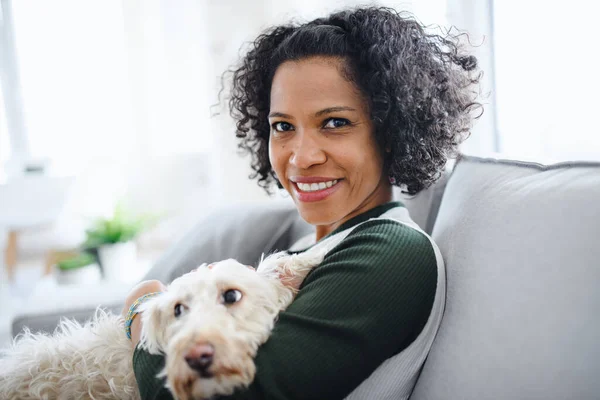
x=318, y=214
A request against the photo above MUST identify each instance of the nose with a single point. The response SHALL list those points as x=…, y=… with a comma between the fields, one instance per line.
x=307, y=151
x=200, y=356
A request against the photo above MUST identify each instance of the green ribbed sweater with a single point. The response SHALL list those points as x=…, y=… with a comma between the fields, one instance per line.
x=367, y=301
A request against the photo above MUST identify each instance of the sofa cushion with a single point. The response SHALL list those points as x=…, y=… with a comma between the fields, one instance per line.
x=520, y=242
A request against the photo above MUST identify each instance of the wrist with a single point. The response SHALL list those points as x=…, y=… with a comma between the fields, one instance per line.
x=133, y=311
x=136, y=331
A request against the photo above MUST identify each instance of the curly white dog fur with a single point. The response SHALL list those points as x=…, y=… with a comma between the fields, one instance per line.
x=209, y=324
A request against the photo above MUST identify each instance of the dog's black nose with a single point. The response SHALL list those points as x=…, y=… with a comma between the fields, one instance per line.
x=200, y=357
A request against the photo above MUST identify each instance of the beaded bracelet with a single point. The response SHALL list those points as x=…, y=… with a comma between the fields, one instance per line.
x=133, y=311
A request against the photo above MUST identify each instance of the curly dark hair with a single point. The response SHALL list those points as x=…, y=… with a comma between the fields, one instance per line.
x=421, y=88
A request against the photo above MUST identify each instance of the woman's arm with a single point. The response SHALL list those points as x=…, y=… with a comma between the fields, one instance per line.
x=367, y=301
x=138, y=291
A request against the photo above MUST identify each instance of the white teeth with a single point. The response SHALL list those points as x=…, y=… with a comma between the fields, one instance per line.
x=313, y=187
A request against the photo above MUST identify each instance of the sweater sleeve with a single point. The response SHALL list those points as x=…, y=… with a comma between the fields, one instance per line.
x=367, y=301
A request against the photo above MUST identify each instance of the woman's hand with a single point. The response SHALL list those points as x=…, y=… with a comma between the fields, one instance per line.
x=138, y=291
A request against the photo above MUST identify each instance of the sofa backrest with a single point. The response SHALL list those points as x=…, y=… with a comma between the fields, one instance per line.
x=424, y=206
x=243, y=232
x=521, y=247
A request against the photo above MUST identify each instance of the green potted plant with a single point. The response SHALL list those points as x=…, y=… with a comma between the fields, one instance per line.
x=77, y=268
x=113, y=239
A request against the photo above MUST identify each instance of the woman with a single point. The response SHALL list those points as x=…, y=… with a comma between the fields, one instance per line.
x=337, y=111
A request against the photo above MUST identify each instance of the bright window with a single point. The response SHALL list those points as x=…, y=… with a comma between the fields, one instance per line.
x=547, y=80
x=4, y=139
x=101, y=81
x=72, y=65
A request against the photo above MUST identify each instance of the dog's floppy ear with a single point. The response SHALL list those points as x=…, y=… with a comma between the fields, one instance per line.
x=290, y=269
x=152, y=337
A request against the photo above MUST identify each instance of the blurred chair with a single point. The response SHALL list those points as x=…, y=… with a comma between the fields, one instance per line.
x=28, y=202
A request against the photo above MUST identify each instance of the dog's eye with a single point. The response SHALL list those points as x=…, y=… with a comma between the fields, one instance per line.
x=232, y=296
x=179, y=309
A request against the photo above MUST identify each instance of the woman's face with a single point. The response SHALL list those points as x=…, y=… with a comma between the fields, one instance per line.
x=322, y=144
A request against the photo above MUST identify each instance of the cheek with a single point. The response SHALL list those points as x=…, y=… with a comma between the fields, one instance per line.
x=360, y=157
x=374, y=157
x=368, y=165
x=277, y=158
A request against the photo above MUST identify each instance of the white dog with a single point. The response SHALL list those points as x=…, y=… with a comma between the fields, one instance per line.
x=209, y=324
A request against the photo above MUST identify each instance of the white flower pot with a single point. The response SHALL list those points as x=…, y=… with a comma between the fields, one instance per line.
x=83, y=275
x=115, y=258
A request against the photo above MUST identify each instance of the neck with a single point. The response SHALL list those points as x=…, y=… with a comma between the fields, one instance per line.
x=382, y=197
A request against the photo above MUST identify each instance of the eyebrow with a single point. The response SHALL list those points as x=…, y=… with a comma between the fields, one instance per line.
x=333, y=109
x=324, y=111
x=279, y=114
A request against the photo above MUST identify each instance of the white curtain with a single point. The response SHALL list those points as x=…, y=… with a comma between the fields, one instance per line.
x=4, y=140
x=547, y=78
x=117, y=93
x=474, y=17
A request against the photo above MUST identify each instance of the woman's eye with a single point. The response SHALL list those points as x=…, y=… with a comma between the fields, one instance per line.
x=179, y=309
x=282, y=126
x=232, y=296
x=333, y=123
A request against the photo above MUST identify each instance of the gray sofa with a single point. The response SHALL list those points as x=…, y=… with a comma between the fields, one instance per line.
x=521, y=242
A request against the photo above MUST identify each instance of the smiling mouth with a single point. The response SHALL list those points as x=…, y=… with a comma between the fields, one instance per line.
x=315, y=187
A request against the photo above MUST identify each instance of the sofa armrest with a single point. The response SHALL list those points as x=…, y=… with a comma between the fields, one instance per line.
x=50, y=302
